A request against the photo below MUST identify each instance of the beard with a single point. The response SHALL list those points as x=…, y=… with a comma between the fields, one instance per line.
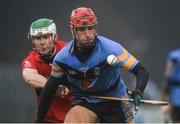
x=86, y=43
x=84, y=50
x=48, y=51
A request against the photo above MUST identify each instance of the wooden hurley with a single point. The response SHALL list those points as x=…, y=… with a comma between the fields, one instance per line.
x=150, y=102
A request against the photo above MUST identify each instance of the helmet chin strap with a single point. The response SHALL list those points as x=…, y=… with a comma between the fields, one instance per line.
x=83, y=52
x=50, y=53
x=76, y=38
x=49, y=56
x=85, y=46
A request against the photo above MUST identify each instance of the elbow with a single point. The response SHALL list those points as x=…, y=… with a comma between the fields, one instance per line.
x=26, y=78
x=146, y=74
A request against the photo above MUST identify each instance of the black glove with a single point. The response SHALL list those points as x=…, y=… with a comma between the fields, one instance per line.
x=137, y=96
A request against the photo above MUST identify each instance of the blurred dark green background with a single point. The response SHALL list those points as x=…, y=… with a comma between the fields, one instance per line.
x=147, y=28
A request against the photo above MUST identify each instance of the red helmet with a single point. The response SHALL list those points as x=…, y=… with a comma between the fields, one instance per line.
x=83, y=16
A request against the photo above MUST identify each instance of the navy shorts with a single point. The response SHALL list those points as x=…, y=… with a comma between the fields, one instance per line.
x=110, y=111
x=175, y=114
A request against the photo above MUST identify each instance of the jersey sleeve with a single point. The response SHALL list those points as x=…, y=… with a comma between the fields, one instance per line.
x=57, y=71
x=28, y=63
x=125, y=60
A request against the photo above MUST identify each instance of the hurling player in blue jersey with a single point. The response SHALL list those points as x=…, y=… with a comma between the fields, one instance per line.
x=83, y=60
x=172, y=85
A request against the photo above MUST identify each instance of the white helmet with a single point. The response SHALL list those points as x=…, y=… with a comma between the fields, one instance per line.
x=42, y=27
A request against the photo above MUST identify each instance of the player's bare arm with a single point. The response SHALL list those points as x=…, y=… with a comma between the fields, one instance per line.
x=33, y=78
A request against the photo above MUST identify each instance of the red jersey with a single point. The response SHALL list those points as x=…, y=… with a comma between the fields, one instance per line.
x=59, y=106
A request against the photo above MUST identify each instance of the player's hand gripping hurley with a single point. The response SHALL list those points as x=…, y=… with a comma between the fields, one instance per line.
x=136, y=95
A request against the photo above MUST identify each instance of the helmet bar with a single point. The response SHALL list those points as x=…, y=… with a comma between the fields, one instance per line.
x=83, y=28
x=83, y=20
x=51, y=29
x=82, y=16
x=41, y=28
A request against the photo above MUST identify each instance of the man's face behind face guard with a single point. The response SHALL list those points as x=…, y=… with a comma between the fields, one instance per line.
x=44, y=44
x=85, y=35
x=83, y=26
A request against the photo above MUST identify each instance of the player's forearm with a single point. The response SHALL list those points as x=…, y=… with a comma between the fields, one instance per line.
x=142, y=80
x=34, y=80
x=46, y=97
x=36, y=84
x=142, y=77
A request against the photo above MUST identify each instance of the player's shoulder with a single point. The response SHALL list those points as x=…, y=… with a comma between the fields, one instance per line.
x=31, y=56
x=60, y=44
x=66, y=48
x=175, y=54
x=109, y=45
x=64, y=52
x=31, y=59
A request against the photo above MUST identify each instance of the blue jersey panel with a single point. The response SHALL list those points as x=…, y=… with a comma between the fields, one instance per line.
x=174, y=59
x=105, y=76
x=175, y=96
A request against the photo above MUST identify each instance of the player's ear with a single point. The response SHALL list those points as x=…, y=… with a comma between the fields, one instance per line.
x=56, y=37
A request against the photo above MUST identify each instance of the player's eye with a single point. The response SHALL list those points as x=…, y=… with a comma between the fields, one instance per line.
x=80, y=28
x=84, y=28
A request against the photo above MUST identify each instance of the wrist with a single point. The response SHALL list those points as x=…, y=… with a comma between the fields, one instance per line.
x=137, y=92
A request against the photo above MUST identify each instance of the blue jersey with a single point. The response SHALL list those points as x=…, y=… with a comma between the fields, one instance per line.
x=173, y=76
x=94, y=75
x=174, y=71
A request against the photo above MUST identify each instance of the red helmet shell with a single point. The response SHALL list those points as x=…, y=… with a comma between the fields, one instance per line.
x=83, y=16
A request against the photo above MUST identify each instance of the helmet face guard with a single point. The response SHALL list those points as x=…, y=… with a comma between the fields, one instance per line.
x=83, y=21
x=43, y=29
x=82, y=17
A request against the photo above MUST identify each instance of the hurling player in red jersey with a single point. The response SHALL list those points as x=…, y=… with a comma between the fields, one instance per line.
x=36, y=67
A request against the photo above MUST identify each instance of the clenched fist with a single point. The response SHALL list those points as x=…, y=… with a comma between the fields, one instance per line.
x=62, y=91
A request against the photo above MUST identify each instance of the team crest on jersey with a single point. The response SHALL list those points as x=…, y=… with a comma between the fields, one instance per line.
x=72, y=72
x=97, y=71
x=86, y=84
x=84, y=70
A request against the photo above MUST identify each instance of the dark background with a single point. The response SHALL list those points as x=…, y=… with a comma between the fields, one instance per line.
x=149, y=29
